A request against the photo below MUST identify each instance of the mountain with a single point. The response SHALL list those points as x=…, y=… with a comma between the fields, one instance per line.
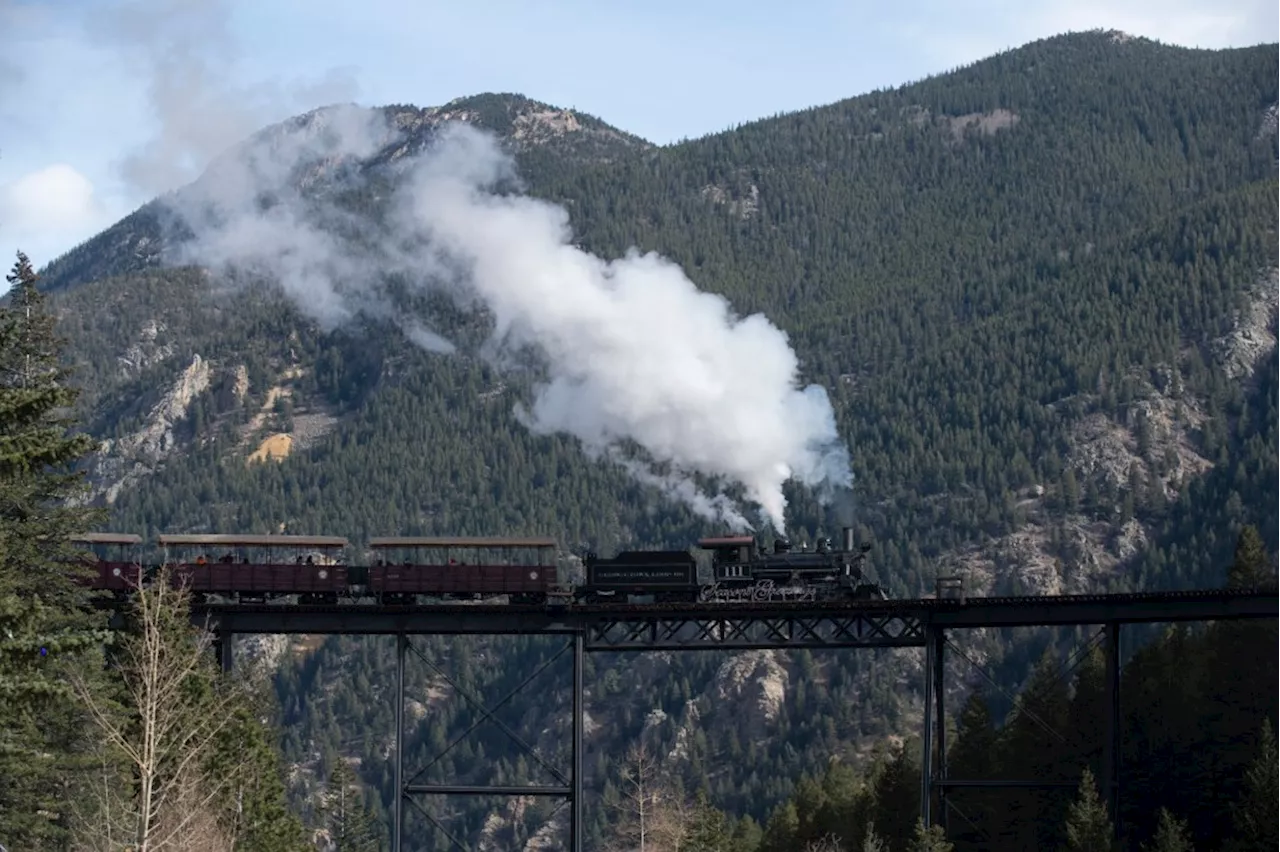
x=1040, y=291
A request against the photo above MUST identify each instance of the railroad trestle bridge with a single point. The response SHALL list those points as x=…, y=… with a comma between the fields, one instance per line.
x=919, y=623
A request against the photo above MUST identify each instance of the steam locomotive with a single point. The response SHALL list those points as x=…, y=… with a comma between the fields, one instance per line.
x=526, y=571
x=741, y=571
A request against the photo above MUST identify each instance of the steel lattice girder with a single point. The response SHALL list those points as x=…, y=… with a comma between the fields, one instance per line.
x=855, y=630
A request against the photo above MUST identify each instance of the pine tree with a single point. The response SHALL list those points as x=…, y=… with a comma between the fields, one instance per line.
x=932, y=839
x=1251, y=566
x=1033, y=744
x=1257, y=820
x=1171, y=835
x=897, y=795
x=43, y=612
x=47, y=628
x=708, y=828
x=350, y=826
x=780, y=832
x=248, y=754
x=1088, y=826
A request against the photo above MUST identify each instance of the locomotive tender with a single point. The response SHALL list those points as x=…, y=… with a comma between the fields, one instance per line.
x=257, y=568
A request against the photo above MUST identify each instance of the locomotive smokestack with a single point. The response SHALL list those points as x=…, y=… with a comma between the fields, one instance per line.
x=848, y=539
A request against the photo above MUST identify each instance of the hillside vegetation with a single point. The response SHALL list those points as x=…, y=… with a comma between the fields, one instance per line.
x=1041, y=291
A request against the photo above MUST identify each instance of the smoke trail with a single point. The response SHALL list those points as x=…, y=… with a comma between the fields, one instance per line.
x=187, y=55
x=633, y=351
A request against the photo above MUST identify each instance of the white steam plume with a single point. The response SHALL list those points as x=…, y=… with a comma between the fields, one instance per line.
x=186, y=53
x=248, y=213
x=634, y=351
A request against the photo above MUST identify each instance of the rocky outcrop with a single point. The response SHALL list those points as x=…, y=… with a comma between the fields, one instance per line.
x=1254, y=332
x=742, y=204
x=957, y=126
x=124, y=461
x=983, y=123
x=146, y=351
x=755, y=684
x=1270, y=122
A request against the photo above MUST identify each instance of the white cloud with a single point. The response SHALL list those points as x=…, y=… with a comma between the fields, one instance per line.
x=48, y=211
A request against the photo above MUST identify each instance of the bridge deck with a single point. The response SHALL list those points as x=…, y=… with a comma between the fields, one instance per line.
x=893, y=623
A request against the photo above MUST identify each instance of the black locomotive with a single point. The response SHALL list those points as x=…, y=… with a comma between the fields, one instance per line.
x=740, y=571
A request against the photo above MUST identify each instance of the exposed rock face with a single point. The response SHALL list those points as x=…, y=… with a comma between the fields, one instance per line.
x=146, y=351
x=742, y=204
x=956, y=126
x=1255, y=330
x=126, y=460
x=261, y=652
x=538, y=125
x=756, y=684
x=1270, y=121
x=985, y=123
x=684, y=735
x=241, y=385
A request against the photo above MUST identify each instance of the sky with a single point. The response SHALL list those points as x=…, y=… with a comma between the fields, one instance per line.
x=106, y=103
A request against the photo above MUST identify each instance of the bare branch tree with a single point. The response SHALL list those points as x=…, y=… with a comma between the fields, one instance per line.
x=872, y=842
x=826, y=843
x=638, y=800
x=176, y=708
x=654, y=812
x=671, y=817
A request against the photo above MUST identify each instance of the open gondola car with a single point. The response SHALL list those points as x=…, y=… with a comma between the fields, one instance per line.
x=258, y=567
x=462, y=568
x=116, y=560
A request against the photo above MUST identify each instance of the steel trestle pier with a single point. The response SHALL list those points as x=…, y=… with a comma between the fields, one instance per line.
x=921, y=623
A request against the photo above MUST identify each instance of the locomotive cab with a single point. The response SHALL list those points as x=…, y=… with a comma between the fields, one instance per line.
x=731, y=557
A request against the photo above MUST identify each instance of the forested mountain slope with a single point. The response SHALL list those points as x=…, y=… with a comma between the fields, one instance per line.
x=1039, y=290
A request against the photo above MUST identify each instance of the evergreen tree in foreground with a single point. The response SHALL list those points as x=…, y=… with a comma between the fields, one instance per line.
x=349, y=823
x=708, y=828
x=1251, y=567
x=1088, y=826
x=47, y=629
x=932, y=839
x=1171, y=835
x=1258, y=813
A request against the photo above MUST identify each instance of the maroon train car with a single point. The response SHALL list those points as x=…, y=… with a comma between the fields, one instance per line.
x=257, y=567
x=115, y=556
x=451, y=568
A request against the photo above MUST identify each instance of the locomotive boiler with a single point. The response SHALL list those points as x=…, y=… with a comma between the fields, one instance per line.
x=740, y=570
